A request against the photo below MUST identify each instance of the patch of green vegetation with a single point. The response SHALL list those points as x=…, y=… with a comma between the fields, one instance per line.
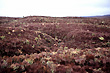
x=78, y=49
x=29, y=61
x=107, y=26
x=85, y=44
x=15, y=20
x=101, y=38
x=34, y=20
x=56, y=38
x=39, y=36
x=2, y=37
x=5, y=64
x=24, y=23
x=49, y=63
x=93, y=34
x=43, y=33
x=27, y=42
x=102, y=22
x=108, y=43
x=14, y=66
x=65, y=48
x=19, y=34
x=9, y=32
x=33, y=46
x=36, y=38
x=57, y=26
x=93, y=42
x=64, y=37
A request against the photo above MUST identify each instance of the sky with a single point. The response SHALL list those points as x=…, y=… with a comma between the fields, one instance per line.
x=54, y=8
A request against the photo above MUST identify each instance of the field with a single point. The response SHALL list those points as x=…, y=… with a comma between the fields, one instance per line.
x=40, y=44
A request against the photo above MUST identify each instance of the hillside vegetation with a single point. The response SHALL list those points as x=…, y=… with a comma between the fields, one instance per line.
x=38, y=44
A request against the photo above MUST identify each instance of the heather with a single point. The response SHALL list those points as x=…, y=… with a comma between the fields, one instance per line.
x=38, y=44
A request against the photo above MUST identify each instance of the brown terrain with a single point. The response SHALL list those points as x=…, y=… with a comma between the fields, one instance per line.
x=39, y=44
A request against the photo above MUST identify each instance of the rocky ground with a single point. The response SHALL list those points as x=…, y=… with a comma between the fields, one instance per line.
x=38, y=44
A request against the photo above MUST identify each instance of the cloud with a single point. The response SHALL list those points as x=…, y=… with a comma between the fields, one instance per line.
x=54, y=7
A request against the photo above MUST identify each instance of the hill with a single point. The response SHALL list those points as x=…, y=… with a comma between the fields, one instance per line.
x=101, y=16
x=39, y=44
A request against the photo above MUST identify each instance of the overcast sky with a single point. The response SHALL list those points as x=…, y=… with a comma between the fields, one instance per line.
x=58, y=8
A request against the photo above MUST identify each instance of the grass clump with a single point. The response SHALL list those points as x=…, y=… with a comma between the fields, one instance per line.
x=27, y=42
x=101, y=38
x=2, y=37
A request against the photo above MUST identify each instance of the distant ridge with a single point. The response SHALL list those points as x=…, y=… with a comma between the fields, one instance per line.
x=107, y=15
x=100, y=16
